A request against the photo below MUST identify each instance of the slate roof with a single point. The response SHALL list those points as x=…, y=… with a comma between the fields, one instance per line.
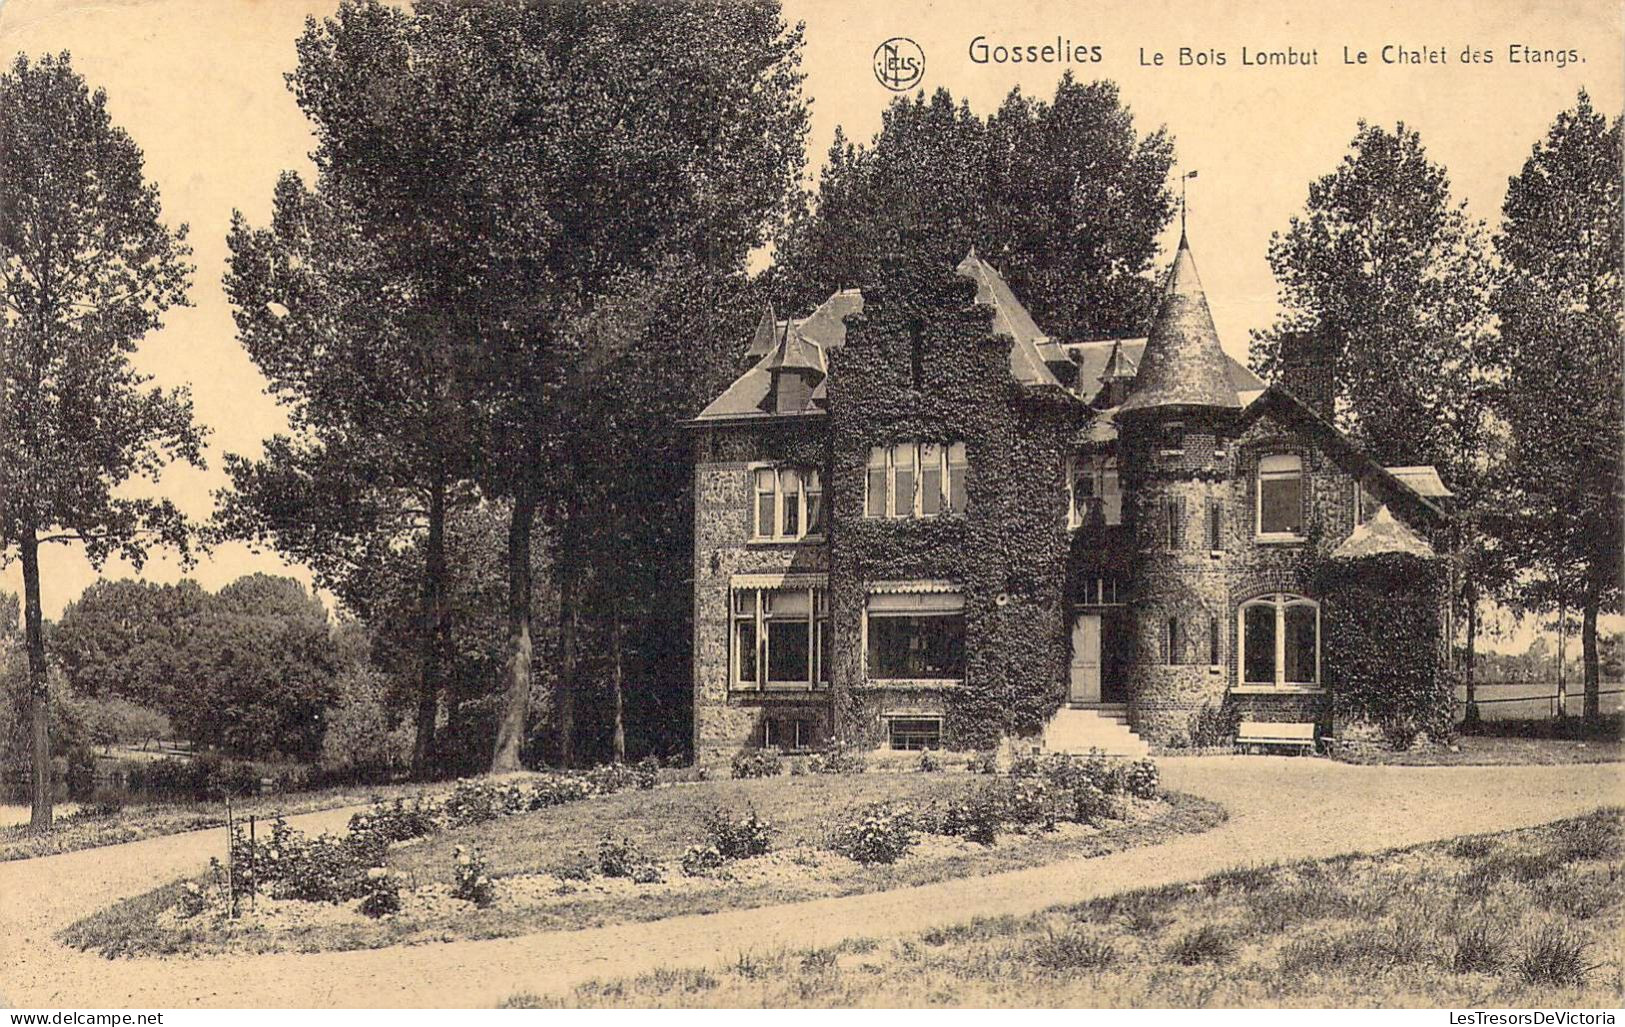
x=1010, y=318
x=1383, y=533
x=824, y=329
x=1183, y=364
x=1093, y=355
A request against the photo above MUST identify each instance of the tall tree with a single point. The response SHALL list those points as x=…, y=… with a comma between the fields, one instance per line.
x=87, y=268
x=1558, y=299
x=1388, y=268
x=1064, y=195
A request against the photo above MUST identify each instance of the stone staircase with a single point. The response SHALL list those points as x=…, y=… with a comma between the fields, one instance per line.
x=1081, y=728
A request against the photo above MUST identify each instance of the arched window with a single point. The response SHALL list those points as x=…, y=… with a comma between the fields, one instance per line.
x=1280, y=498
x=1279, y=642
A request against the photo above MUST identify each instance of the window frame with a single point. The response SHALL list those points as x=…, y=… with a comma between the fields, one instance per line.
x=1098, y=469
x=934, y=732
x=1280, y=602
x=950, y=464
x=759, y=617
x=869, y=613
x=809, y=481
x=1260, y=475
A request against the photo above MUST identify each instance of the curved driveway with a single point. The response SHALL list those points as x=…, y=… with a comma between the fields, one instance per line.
x=1280, y=808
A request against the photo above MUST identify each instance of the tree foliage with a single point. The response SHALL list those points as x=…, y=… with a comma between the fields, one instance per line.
x=1065, y=196
x=1558, y=300
x=87, y=268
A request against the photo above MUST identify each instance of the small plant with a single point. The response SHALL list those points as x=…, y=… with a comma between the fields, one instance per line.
x=611, y=778
x=470, y=881
x=699, y=860
x=836, y=760
x=646, y=873
x=397, y=821
x=192, y=902
x=1478, y=948
x=1210, y=726
x=929, y=763
x=381, y=895
x=556, y=790
x=1206, y=944
x=1072, y=950
x=751, y=763
x=1030, y=803
x=975, y=818
x=648, y=772
x=1142, y=779
x=1091, y=806
x=877, y=834
x=1472, y=847
x=1553, y=955
x=474, y=802
x=579, y=867
x=618, y=858
x=983, y=762
x=738, y=837
x=1596, y=837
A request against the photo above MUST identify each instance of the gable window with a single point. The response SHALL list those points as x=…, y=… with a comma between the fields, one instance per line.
x=1092, y=490
x=915, y=733
x=1280, y=497
x=915, y=479
x=1279, y=637
x=780, y=637
x=916, y=636
x=789, y=504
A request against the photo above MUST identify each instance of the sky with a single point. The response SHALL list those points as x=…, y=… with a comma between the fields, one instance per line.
x=199, y=85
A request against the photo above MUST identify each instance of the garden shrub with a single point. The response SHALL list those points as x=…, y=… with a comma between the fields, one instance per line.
x=881, y=833
x=929, y=764
x=1027, y=765
x=618, y=858
x=984, y=762
x=699, y=860
x=738, y=837
x=380, y=894
x=977, y=817
x=470, y=881
x=1091, y=806
x=611, y=778
x=81, y=776
x=321, y=869
x=646, y=873
x=1142, y=779
x=556, y=790
x=397, y=821
x=750, y=763
x=1030, y=802
x=474, y=802
x=836, y=760
x=648, y=772
x=193, y=900
x=579, y=867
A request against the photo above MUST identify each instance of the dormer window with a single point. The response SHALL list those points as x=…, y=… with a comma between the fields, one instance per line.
x=1280, y=498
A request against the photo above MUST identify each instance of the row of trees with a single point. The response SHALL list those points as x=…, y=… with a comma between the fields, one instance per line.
x=1495, y=357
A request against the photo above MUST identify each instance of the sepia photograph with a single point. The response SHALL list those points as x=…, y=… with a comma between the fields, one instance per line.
x=809, y=504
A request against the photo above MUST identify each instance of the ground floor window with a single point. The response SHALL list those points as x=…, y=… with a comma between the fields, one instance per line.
x=916, y=636
x=914, y=733
x=780, y=637
x=1279, y=639
x=790, y=735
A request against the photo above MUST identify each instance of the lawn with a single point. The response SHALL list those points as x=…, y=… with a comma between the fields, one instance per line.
x=92, y=826
x=1531, y=918
x=1483, y=750
x=524, y=853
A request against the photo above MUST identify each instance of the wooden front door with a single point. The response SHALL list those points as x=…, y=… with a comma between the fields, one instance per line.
x=1085, y=680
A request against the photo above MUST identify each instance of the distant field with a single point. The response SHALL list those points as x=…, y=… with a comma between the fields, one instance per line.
x=1532, y=700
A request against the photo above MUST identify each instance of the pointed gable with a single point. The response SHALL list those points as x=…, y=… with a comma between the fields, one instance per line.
x=767, y=333
x=1383, y=533
x=1010, y=319
x=1183, y=364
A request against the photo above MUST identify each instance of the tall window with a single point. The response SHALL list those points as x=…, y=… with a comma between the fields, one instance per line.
x=1280, y=497
x=1174, y=512
x=1280, y=641
x=916, y=636
x=789, y=504
x=915, y=479
x=1215, y=525
x=780, y=637
x=1175, y=642
x=1092, y=488
x=1213, y=641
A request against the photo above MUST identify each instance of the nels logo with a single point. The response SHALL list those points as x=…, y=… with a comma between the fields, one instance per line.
x=899, y=64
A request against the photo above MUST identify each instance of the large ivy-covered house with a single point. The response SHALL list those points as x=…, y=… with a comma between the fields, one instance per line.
x=921, y=522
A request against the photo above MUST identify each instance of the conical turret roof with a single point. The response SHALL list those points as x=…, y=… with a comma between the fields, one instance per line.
x=1119, y=365
x=1183, y=365
x=767, y=333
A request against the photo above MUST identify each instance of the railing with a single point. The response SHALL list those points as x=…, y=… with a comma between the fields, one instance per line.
x=1550, y=700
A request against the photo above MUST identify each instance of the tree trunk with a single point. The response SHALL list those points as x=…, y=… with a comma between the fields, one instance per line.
x=1562, y=654
x=1588, y=645
x=39, y=691
x=511, y=730
x=430, y=640
x=1472, y=652
x=616, y=678
x=569, y=624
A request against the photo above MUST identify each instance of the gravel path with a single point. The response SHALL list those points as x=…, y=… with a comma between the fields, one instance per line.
x=1280, y=808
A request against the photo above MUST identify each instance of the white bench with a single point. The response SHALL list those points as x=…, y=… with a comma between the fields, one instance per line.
x=1256, y=734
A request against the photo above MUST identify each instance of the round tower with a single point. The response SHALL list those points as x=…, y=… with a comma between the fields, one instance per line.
x=1174, y=431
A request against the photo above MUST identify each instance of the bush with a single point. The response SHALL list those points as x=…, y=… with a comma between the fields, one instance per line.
x=470, y=882
x=738, y=837
x=929, y=764
x=1553, y=955
x=611, y=778
x=397, y=821
x=699, y=860
x=1206, y=944
x=556, y=790
x=579, y=867
x=750, y=763
x=648, y=772
x=322, y=869
x=646, y=873
x=381, y=894
x=1091, y=806
x=1030, y=803
x=1029, y=765
x=193, y=900
x=81, y=777
x=361, y=737
x=835, y=760
x=977, y=817
x=618, y=858
x=1478, y=948
x=876, y=834
x=474, y=802
x=1142, y=779
x=984, y=762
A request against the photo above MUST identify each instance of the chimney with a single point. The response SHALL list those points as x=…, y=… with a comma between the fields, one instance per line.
x=1308, y=371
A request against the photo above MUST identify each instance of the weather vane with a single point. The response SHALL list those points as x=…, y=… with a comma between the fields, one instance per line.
x=1186, y=177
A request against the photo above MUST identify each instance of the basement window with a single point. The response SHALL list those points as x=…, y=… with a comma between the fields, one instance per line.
x=915, y=733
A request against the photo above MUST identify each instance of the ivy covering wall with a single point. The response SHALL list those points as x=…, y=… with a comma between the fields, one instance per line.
x=1382, y=645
